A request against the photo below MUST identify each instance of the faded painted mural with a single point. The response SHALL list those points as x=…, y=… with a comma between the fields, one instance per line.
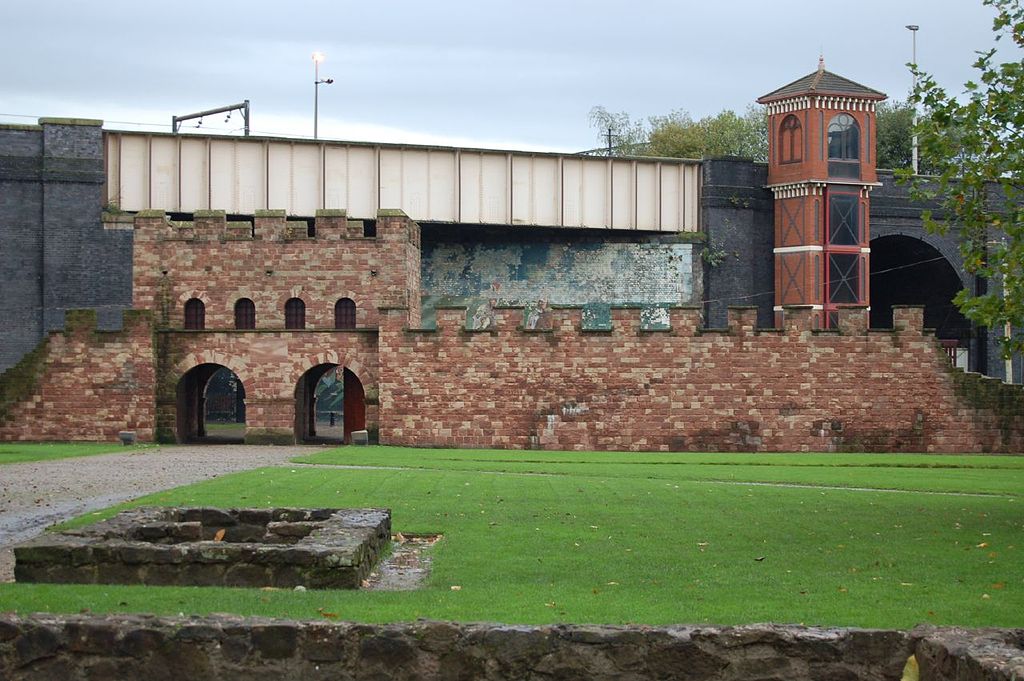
x=484, y=270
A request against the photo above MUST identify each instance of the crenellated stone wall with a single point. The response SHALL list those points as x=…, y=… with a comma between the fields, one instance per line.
x=671, y=385
x=84, y=384
x=594, y=377
x=560, y=378
x=222, y=648
x=270, y=260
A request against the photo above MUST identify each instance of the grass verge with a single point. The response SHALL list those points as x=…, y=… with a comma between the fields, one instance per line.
x=23, y=452
x=854, y=540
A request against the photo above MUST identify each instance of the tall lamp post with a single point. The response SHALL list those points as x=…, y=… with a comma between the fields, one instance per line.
x=913, y=144
x=317, y=58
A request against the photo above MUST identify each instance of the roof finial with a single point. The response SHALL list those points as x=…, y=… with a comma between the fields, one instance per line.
x=821, y=62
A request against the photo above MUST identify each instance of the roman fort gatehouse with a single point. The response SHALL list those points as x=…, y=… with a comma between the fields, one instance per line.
x=194, y=287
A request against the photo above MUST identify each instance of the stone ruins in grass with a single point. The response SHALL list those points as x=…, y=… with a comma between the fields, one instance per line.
x=316, y=548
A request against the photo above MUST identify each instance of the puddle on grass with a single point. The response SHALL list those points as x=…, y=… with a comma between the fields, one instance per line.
x=408, y=565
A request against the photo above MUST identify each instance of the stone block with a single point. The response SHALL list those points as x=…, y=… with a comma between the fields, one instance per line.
x=282, y=547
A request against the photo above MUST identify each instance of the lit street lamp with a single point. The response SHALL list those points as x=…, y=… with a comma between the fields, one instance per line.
x=317, y=58
x=913, y=145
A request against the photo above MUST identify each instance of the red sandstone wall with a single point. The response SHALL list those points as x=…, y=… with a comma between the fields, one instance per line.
x=269, y=262
x=628, y=388
x=270, y=365
x=776, y=390
x=93, y=384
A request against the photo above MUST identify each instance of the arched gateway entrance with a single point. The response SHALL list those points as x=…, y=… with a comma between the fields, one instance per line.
x=330, y=404
x=908, y=271
x=210, y=405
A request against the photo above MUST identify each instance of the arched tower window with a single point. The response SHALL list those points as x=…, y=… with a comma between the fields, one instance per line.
x=791, y=140
x=245, y=314
x=345, y=314
x=843, y=138
x=295, y=314
x=844, y=147
x=195, y=314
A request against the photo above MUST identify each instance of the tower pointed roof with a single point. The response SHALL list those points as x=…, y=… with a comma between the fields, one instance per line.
x=822, y=82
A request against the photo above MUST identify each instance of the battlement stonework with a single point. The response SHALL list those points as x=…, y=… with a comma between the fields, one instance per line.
x=684, y=388
x=272, y=259
x=642, y=377
x=84, y=384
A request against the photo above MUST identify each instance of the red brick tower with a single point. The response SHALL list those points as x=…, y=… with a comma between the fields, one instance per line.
x=821, y=167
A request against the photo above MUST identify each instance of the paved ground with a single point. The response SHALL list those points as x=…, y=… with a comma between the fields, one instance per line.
x=36, y=495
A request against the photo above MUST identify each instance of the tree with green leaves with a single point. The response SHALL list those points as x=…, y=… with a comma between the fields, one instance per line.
x=677, y=135
x=724, y=134
x=727, y=133
x=894, y=121
x=618, y=133
x=974, y=146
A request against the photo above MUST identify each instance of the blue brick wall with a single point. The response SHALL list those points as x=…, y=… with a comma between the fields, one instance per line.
x=55, y=254
x=738, y=217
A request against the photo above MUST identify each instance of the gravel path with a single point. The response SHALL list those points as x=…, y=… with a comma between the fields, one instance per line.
x=36, y=495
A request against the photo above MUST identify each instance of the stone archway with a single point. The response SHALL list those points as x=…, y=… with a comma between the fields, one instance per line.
x=909, y=271
x=316, y=421
x=195, y=405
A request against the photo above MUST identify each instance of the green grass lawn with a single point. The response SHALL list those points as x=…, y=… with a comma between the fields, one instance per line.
x=535, y=537
x=22, y=452
x=215, y=428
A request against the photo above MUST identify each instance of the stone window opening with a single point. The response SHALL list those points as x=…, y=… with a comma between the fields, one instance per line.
x=295, y=314
x=195, y=314
x=245, y=314
x=345, y=314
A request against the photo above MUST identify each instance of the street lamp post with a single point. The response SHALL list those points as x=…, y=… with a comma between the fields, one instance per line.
x=317, y=58
x=913, y=145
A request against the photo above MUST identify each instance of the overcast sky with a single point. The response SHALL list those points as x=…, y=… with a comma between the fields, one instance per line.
x=520, y=74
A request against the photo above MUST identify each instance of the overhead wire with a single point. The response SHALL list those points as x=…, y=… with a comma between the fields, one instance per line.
x=749, y=296
x=205, y=128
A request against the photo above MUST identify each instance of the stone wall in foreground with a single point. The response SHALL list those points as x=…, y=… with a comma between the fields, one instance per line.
x=77, y=648
x=667, y=384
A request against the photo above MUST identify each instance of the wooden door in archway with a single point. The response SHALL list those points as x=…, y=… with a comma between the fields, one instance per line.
x=355, y=405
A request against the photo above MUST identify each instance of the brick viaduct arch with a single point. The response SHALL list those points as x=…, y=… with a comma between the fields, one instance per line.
x=946, y=244
x=910, y=265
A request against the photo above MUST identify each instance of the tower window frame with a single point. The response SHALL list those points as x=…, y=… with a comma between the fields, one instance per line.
x=844, y=147
x=844, y=261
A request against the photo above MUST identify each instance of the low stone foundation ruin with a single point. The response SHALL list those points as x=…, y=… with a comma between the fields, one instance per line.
x=319, y=548
x=77, y=648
